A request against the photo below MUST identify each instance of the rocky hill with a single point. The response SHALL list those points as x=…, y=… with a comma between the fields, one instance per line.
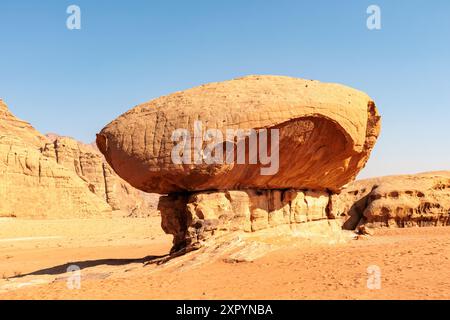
x=395, y=201
x=52, y=177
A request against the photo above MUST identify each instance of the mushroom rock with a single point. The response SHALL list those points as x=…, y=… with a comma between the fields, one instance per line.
x=325, y=135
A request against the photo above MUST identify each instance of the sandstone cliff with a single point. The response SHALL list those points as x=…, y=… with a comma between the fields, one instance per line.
x=33, y=185
x=90, y=165
x=59, y=177
x=395, y=201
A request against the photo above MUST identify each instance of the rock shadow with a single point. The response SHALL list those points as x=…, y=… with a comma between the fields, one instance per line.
x=63, y=268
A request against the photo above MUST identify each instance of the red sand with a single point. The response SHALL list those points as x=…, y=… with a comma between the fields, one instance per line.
x=414, y=264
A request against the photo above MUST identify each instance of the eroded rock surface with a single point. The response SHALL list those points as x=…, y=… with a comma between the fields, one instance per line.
x=33, y=185
x=90, y=165
x=193, y=218
x=326, y=134
x=395, y=201
x=58, y=177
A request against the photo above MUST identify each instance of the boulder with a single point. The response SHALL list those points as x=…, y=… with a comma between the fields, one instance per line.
x=326, y=133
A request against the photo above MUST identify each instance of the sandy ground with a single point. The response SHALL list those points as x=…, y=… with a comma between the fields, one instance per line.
x=34, y=256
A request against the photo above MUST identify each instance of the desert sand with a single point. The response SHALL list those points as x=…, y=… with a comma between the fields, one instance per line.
x=414, y=264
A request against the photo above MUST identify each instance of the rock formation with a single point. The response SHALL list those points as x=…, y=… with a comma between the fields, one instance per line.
x=332, y=129
x=41, y=178
x=326, y=133
x=90, y=165
x=395, y=201
x=192, y=218
x=33, y=185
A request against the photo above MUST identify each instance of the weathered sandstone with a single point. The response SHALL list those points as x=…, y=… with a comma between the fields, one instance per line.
x=90, y=165
x=395, y=201
x=58, y=177
x=194, y=217
x=33, y=185
x=326, y=134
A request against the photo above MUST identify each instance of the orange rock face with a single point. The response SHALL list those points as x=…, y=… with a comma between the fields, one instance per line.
x=395, y=201
x=33, y=185
x=54, y=177
x=193, y=218
x=90, y=165
x=326, y=133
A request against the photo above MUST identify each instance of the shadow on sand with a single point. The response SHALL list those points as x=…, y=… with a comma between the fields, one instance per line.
x=63, y=268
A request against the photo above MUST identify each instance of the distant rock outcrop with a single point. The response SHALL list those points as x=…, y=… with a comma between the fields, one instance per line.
x=395, y=201
x=50, y=177
x=90, y=165
x=33, y=185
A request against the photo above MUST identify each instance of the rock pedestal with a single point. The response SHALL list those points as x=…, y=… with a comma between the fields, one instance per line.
x=193, y=218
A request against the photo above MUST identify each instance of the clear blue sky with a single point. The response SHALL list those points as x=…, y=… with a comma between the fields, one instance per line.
x=128, y=52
